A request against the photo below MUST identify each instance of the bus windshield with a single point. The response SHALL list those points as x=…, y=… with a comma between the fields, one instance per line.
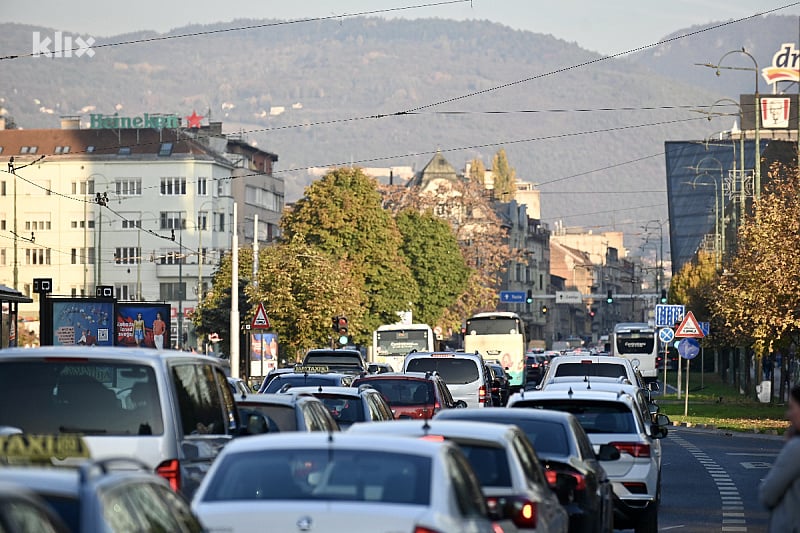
x=492, y=326
x=401, y=341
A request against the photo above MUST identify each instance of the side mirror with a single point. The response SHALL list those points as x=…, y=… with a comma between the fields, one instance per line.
x=461, y=404
x=654, y=386
x=663, y=420
x=608, y=453
x=654, y=408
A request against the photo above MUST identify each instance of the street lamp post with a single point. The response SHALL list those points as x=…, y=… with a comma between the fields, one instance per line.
x=719, y=205
x=660, y=275
x=756, y=109
x=717, y=239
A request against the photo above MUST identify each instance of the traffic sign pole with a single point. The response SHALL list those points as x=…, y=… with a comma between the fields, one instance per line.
x=686, y=400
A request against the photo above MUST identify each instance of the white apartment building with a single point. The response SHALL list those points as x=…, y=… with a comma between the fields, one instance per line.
x=148, y=211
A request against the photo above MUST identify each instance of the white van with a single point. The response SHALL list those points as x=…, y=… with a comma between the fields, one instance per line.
x=466, y=374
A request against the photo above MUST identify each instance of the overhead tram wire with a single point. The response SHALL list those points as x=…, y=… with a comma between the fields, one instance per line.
x=258, y=26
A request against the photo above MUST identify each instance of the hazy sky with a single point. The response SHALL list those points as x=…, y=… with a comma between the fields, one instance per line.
x=608, y=27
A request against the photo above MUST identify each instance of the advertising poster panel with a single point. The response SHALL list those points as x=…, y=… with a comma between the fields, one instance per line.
x=145, y=325
x=84, y=321
x=263, y=353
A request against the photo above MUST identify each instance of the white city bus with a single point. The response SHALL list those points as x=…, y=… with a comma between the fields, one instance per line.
x=638, y=342
x=391, y=343
x=499, y=335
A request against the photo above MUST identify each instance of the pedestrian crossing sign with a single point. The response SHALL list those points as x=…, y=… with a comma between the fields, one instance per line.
x=260, y=319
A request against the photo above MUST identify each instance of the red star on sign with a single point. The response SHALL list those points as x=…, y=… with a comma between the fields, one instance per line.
x=193, y=120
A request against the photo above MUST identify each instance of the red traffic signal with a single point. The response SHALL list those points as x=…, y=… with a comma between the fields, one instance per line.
x=341, y=325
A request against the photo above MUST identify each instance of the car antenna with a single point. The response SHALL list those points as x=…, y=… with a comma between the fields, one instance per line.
x=570, y=393
x=588, y=383
x=426, y=426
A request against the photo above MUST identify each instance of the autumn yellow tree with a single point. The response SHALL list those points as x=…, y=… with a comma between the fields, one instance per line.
x=505, y=177
x=759, y=297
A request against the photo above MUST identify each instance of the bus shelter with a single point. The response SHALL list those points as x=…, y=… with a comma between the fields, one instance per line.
x=10, y=300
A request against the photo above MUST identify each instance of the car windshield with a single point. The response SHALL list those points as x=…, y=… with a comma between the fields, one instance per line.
x=596, y=416
x=403, y=392
x=88, y=397
x=322, y=474
x=278, y=417
x=453, y=370
x=304, y=380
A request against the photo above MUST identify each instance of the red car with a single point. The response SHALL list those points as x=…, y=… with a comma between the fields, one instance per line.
x=413, y=394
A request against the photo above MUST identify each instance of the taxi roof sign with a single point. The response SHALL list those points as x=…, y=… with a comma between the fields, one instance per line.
x=20, y=448
x=312, y=369
x=690, y=327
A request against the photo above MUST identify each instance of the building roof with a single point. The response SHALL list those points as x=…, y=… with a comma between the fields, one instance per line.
x=437, y=168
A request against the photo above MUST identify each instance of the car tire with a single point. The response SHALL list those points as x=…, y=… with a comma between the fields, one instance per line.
x=648, y=520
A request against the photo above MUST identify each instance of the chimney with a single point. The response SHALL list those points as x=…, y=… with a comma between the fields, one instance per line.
x=215, y=129
x=70, y=122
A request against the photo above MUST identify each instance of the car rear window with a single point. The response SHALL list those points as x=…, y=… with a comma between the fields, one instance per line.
x=322, y=474
x=88, y=397
x=402, y=392
x=595, y=416
x=603, y=370
x=490, y=464
x=346, y=410
x=453, y=370
x=547, y=437
x=279, y=417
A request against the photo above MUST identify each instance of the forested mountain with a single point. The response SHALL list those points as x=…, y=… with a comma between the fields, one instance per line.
x=589, y=130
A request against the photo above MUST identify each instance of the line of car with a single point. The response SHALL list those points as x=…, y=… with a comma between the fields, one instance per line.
x=549, y=468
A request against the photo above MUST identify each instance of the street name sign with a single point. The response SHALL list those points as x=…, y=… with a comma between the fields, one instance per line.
x=512, y=296
x=669, y=315
x=569, y=297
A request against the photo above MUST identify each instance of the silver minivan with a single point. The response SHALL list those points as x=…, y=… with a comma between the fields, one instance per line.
x=171, y=410
x=465, y=374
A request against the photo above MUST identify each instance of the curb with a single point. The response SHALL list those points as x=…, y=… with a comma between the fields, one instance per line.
x=770, y=434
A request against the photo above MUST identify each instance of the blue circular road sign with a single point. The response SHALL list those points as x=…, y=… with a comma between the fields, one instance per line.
x=688, y=348
x=666, y=335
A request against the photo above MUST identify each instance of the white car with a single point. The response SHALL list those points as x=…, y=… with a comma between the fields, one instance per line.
x=591, y=366
x=334, y=482
x=506, y=465
x=615, y=417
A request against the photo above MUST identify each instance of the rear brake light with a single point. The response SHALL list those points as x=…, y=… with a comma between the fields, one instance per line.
x=434, y=438
x=171, y=471
x=422, y=529
x=635, y=488
x=525, y=517
x=586, y=361
x=436, y=406
x=482, y=394
x=636, y=449
x=497, y=528
x=552, y=478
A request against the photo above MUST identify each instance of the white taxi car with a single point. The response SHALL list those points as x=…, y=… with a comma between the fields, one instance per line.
x=333, y=482
x=615, y=418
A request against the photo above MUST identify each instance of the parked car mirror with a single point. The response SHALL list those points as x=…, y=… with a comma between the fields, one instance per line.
x=461, y=404
x=653, y=407
x=608, y=453
x=662, y=420
x=654, y=386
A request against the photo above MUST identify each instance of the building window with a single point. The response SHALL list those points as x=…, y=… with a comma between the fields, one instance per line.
x=75, y=224
x=129, y=255
x=62, y=149
x=78, y=256
x=165, y=149
x=37, y=225
x=202, y=186
x=128, y=186
x=172, y=257
x=83, y=187
x=2, y=188
x=124, y=150
x=124, y=291
x=172, y=291
x=202, y=220
x=2, y=256
x=90, y=149
x=220, y=226
x=37, y=256
x=262, y=198
x=173, y=186
x=173, y=220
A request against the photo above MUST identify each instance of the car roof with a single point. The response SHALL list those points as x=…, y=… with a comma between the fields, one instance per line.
x=442, y=355
x=461, y=429
x=353, y=392
x=489, y=415
x=271, y=398
x=610, y=384
x=609, y=359
x=341, y=440
x=409, y=376
x=67, y=481
x=588, y=395
x=331, y=351
x=105, y=352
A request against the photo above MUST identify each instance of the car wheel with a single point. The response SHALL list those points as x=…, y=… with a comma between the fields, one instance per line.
x=648, y=520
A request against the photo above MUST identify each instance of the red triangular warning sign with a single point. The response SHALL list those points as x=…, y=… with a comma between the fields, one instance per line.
x=690, y=327
x=260, y=320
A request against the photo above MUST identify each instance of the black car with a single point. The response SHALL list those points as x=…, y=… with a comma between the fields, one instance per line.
x=284, y=381
x=571, y=466
x=535, y=367
x=500, y=384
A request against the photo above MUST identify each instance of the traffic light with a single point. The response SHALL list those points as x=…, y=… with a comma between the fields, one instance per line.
x=529, y=299
x=610, y=297
x=592, y=312
x=341, y=330
x=663, y=296
x=335, y=324
x=544, y=309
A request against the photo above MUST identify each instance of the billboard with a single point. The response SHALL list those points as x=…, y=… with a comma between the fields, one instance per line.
x=143, y=324
x=263, y=353
x=83, y=321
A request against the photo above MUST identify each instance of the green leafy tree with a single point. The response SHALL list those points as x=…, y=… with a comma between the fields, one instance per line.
x=212, y=315
x=343, y=215
x=437, y=265
x=505, y=177
x=302, y=288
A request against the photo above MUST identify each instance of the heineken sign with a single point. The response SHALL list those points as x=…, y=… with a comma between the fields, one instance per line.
x=115, y=122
